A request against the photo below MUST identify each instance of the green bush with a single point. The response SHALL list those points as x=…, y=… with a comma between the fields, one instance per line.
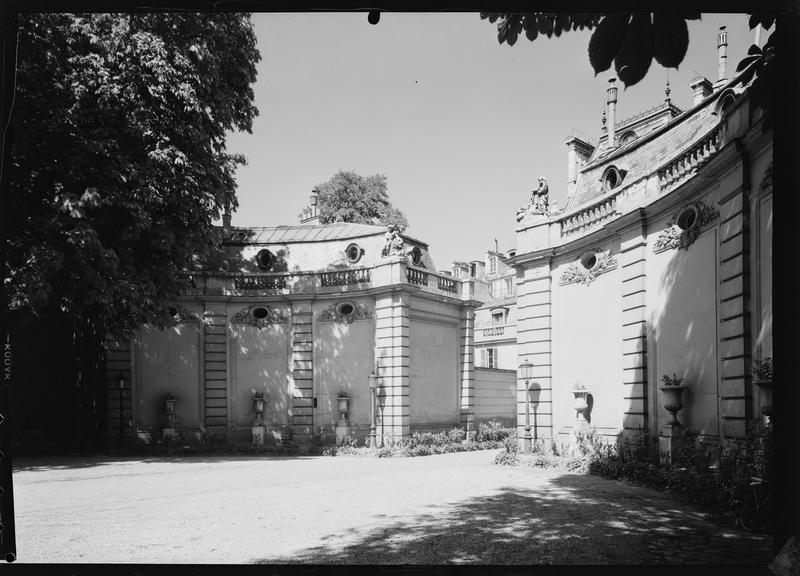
x=506, y=459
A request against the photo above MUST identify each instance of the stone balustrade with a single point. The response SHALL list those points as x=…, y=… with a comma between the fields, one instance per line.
x=688, y=161
x=503, y=332
x=329, y=281
x=601, y=211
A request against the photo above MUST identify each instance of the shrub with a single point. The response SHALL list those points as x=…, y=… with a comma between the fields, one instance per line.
x=384, y=452
x=456, y=434
x=492, y=430
x=506, y=458
x=713, y=476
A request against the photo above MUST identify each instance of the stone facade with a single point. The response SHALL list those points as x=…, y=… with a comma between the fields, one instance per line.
x=302, y=314
x=660, y=264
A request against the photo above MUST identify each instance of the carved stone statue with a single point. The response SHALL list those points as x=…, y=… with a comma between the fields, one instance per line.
x=539, y=203
x=393, y=243
x=540, y=198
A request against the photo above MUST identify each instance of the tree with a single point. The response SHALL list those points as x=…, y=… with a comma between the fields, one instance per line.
x=118, y=165
x=349, y=197
x=631, y=40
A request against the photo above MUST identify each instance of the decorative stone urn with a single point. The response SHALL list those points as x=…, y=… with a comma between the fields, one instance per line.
x=764, y=396
x=581, y=405
x=259, y=405
x=343, y=426
x=673, y=401
x=168, y=433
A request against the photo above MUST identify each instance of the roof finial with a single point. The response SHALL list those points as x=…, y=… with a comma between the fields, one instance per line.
x=605, y=129
x=667, y=90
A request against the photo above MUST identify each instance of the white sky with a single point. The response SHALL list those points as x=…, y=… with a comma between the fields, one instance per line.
x=461, y=126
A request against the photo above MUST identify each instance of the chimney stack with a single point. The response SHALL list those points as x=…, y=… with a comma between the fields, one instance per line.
x=226, y=216
x=701, y=87
x=722, y=51
x=579, y=152
x=612, y=113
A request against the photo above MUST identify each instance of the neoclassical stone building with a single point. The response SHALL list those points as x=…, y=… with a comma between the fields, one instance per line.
x=660, y=264
x=303, y=314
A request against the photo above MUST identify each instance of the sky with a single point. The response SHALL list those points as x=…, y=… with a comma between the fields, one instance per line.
x=461, y=126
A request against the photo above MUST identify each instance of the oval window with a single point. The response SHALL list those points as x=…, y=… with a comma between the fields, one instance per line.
x=345, y=308
x=687, y=218
x=354, y=253
x=611, y=181
x=589, y=260
x=416, y=256
x=259, y=312
x=265, y=259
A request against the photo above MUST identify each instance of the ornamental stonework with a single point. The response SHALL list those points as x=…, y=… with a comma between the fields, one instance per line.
x=576, y=273
x=270, y=316
x=673, y=236
x=333, y=313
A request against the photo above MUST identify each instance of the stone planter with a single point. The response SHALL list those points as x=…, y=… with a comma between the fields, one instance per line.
x=673, y=401
x=581, y=405
x=764, y=396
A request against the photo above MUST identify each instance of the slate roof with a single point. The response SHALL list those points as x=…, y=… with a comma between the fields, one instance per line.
x=306, y=233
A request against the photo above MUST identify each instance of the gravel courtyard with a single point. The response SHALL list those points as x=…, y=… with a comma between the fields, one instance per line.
x=451, y=508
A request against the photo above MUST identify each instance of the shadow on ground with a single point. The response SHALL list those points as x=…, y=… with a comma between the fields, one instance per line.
x=45, y=463
x=573, y=520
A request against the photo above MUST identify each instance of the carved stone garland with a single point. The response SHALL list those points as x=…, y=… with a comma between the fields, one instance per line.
x=245, y=316
x=332, y=314
x=672, y=236
x=576, y=273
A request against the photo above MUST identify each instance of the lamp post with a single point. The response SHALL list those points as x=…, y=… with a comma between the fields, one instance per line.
x=526, y=371
x=372, y=386
x=121, y=382
x=381, y=406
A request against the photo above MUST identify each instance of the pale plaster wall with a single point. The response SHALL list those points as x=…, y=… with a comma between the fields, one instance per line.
x=259, y=363
x=433, y=361
x=168, y=361
x=682, y=339
x=343, y=361
x=587, y=348
x=495, y=395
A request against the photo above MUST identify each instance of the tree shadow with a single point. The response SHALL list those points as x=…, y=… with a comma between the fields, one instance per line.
x=570, y=520
x=45, y=464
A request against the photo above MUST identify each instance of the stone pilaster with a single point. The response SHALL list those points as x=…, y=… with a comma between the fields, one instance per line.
x=215, y=368
x=466, y=331
x=734, y=294
x=534, y=343
x=632, y=267
x=392, y=359
x=301, y=414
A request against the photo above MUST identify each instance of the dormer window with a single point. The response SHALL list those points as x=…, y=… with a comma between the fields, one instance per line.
x=612, y=178
x=725, y=100
x=416, y=256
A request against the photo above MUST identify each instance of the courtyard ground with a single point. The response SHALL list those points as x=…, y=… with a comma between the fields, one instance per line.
x=450, y=508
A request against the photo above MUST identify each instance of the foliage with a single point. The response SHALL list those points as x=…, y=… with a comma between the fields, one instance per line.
x=673, y=380
x=349, y=197
x=632, y=40
x=119, y=166
x=762, y=369
x=493, y=431
x=715, y=476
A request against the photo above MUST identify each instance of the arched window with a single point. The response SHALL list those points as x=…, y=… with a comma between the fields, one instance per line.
x=627, y=137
